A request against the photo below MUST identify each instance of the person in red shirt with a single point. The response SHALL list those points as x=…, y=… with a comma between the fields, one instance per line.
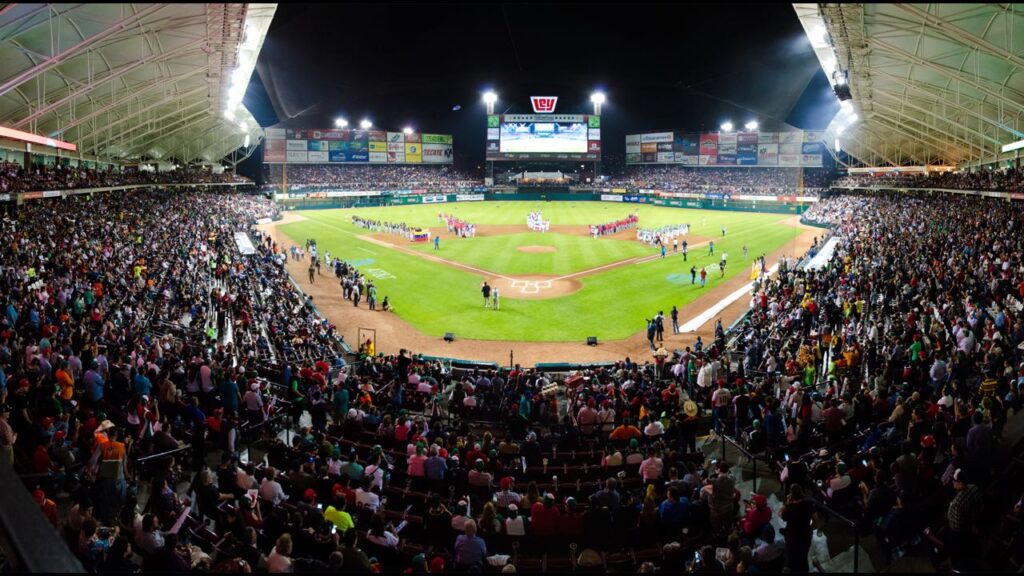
x=47, y=506
x=544, y=517
x=758, y=515
x=570, y=524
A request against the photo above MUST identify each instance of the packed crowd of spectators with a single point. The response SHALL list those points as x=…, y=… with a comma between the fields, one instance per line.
x=878, y=386
x=376, y=177
x=15, y=178
x=1002, y=180
x=764, y=181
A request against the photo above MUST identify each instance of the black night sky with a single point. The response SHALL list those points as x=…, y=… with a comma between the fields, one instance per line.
x=662, y=66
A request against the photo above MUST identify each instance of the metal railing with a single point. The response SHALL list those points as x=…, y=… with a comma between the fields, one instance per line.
x=30, y=542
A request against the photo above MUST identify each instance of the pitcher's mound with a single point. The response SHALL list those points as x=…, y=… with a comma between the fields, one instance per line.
x=536, y=249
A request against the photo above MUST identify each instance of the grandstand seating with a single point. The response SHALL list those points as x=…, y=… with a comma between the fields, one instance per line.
x=901, y=359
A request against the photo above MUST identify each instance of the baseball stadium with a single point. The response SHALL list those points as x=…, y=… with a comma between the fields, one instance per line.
x=497, y=288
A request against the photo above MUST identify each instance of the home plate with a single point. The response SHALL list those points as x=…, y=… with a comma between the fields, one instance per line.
x=530, y=286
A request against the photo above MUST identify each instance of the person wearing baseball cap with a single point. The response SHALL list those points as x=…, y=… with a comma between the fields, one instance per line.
x=46, y=506
x=758, y=515
x=965, y=508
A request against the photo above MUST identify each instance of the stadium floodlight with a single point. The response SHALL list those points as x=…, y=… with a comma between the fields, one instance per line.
x=229, y=114
x=246, y=144
x=340, y=122
x=839, y=147
x=597, y=98
x=489, y=99
x=726, y=126
x=243, y=126
x=407, y=130
x=366, y=124
x=853, y=118
x=751, y=126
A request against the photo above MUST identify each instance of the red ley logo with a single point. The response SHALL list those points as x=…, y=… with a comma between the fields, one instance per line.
x=543, y=104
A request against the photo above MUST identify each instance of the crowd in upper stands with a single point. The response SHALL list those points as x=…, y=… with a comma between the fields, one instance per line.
x=376, y=177
x=1002, y=180
x=878, y=386
x=15, y=178
x=763, y=181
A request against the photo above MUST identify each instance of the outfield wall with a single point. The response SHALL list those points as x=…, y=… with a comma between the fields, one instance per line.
x=767, y=204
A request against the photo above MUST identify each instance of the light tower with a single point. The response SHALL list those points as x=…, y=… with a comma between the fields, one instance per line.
x=597, y=98
x=489, y=99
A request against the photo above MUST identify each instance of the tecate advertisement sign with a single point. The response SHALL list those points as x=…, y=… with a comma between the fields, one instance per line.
x=543, y=104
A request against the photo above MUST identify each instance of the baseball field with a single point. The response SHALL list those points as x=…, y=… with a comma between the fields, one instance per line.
x=556, y=286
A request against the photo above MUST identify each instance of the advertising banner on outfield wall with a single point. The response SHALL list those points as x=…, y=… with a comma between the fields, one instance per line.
x=795, y=136
x=298, y=145
x=377, y=135
x=810, y=160
x=726, y=148
x=665, y=147
x=434, y=198
x=688, y=145
x=378, y=146
x=632, y=138
x=708, y=145
x=746, y=158
x=813, y=136
x=469, y=197
x=789, y=159
x=274, y=151
x=650, y=157
x=414, y=137
x=437, y=139
x=296, y=156
x=790, y=148
x=594, y=133
x=767, y=137
x=687, y=160
x=396, y=157
x=707, y=160
x=648, y=147
x=656, y=137
x=437, y=153
x=396, y=137
x=666, y=157
x=611, y=197
x=318, y=156
x=633, y=149
x=396, y=147
x=768, y=154
x=378, y=157
x=275, y=133
x=413, y=154
x=633, y=158
x=726, y=160
x=746, y=138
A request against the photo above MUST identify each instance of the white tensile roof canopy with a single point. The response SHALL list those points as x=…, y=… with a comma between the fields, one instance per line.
x=131, y=81
x=930, y=83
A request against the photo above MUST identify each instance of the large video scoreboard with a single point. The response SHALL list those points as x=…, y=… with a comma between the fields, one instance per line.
x=346, y=146
x=543, y=137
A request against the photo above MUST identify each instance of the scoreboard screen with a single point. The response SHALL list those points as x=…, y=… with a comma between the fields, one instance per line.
x=544, y=137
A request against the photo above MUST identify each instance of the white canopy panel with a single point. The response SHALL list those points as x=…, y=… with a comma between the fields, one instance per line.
x=930, y=83
x=124, y=81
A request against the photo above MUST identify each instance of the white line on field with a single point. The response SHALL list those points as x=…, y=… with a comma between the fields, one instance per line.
x=722, y=304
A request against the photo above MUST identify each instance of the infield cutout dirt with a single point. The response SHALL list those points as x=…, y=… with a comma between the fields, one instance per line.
x=534, y=287
x=536, y=249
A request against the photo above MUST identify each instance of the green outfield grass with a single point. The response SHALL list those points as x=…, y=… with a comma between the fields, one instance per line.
x=612, y=304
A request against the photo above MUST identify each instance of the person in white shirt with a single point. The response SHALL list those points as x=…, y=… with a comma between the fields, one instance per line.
x=380, y=534
x=271, y=490
x=366, y=498
x=279, y=560
x=514, y=523
x=654, y=428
